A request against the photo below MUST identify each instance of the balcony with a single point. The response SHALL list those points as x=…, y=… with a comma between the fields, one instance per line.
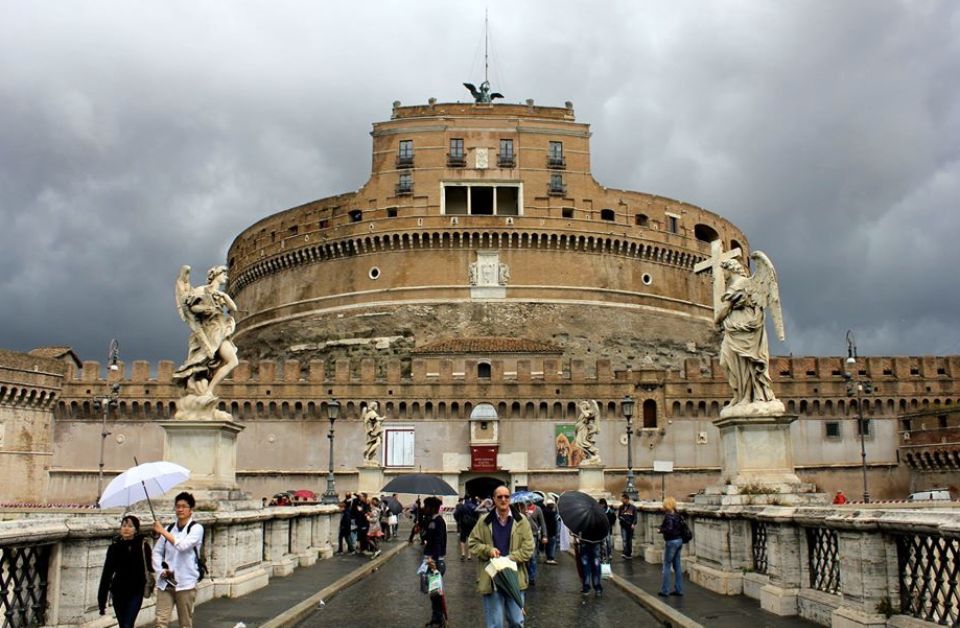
x=404, y=161
x=403, y=189
x=506, y=161
x=456, y=160
x=556, y=161
x=556, y=189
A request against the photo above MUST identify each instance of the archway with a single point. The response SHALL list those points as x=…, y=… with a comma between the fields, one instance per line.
x=483, y=486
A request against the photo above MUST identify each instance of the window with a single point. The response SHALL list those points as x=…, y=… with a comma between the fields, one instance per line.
x=673, y=223
x=505, y=159
x=391, y=212
x=942, y=421
x=356, y=215
x=294, y=230
x=906, y=424
x=556, y=185
x=405, y=153
x=641, y=220
x=832, y=429
x=405, y=184
x=456, y=156
x=705, y=233
x=555, y=155
x=323, y=224
x=483, y=370
x=649, y=413
x=567, y=212
x=863, y=426
x=481, y=199
x=398, y=446
x=607, y=214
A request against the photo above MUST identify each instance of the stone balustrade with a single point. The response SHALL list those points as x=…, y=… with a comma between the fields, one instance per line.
x=54, y=561
x=837, y=566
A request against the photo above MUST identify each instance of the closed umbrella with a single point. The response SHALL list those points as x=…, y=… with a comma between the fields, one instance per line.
x=418, y=484
x=503, y=572
x=583, y=516
x=150, y=479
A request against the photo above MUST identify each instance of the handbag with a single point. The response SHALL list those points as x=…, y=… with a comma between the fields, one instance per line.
x=605, y=570
x=686, y=534
x=150, y=579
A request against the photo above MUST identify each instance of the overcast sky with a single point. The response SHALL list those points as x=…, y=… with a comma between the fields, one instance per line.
x=138, y=136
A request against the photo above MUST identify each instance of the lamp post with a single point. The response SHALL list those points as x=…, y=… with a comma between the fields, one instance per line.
x=330, y=497
x=857, y=387
x=627, y=405
x=113, y=356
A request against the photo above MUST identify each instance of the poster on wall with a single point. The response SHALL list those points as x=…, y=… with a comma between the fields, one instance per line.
x=567, y=453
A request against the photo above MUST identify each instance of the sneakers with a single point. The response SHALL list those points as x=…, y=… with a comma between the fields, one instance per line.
x=550, y=562
x=375, y=554
x=677, y=593
x=585, y=591
x=598, y=593
x=626, y=557
x=662, y=594
x=462, y=558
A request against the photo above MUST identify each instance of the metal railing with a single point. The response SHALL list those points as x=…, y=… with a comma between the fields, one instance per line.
x=23, y=584
x=823, y=559
x=758, y=542
x=929, y=567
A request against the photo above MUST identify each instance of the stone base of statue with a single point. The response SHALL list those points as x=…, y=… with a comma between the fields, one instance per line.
x=757, y=461
x=208, y=447
x=592, y=481
x=200, y=408
x=370, y=478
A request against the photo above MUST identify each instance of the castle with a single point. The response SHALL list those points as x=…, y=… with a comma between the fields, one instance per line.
x=477, y=286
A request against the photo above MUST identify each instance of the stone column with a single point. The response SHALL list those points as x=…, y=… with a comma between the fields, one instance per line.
x=276, y=543
x=235, y=556
x=723, y=547
x=592, y=481
x=863, y=580
x=784, y=564
x=370, y=479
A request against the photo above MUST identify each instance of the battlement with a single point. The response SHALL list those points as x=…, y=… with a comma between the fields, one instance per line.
x=438, y=370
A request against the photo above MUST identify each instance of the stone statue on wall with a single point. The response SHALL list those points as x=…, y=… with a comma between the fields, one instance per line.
x=208, y=312
x=373, y=427
x=482, y=95
x=744, y=354
x=587, y=430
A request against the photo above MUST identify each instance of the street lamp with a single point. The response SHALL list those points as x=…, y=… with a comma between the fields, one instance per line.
x=333, y=411
x=627, y=405
x=857, y=387
x=113, y=356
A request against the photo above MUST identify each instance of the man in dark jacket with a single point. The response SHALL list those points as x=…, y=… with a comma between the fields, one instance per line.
x=628, y=522
x=552, y=526
x=346, y=519
x=359, y=512
x=611, y=521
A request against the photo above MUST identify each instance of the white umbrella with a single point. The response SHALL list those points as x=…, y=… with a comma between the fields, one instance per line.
x=150, y=479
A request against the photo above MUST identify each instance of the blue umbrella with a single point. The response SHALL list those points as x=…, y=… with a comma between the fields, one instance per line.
x=523, y=497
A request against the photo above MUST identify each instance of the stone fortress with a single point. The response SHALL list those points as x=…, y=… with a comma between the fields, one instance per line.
x=477, y=286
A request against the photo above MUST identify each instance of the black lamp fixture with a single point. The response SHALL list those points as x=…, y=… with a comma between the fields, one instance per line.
x=627, y=406
x=333, y=413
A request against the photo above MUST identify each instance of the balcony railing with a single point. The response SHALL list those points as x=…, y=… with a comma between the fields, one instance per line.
x=556, y=161
x=456, y=161
x=506, y=161
x=404, y=161
x=404, y=190
x=556, y=189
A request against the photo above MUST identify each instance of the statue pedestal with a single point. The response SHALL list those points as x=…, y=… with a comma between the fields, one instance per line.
x=209, y=449
x=757, y=463
x=370, y=479
x=592, y=481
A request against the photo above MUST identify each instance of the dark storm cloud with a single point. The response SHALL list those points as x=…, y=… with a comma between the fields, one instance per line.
x=138, y=137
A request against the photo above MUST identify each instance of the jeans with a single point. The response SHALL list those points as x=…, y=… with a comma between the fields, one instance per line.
x=626, y=535
x=590, y=561
x=127, y=609
x=436, y=601
x=494, y=605
x=345, y=535
x=671, y=558
x=532, y=568
x=608, y=547
x=552, y=544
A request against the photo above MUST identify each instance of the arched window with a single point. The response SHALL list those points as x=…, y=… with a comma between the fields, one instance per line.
x=705, y=233
x=649, y=413
x=641, y=220
x=607, y=214
x=483, y=370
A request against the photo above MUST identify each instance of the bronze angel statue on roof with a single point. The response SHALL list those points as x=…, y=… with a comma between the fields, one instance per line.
x=208, y=312
x=744, y=353
x=483, y=94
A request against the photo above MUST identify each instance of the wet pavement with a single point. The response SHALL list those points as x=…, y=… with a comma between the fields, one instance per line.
x=391, y=596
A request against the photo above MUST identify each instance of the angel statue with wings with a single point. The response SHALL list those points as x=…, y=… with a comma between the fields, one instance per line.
x=587, y=431
x=208, y=312
x=373, y=427
x=744, y=354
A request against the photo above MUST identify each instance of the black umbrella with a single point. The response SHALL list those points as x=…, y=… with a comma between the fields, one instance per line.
x=393, y=505
x=583, y=515
x=418, y=484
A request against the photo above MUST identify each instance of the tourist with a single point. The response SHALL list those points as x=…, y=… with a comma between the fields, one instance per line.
x=503, y=532
x=176, y=557
x=607, y=547
x=361, y=507
x=374, y=531
x=394, y=519
x=673, y=543
x=435, y=551
x=552, y=527
x=465, y=514
x=840, y=499
x=589, y=552
x=414, y=511
x=125, y=573
x=538, y=528
x=346, y=522
x=627, y=517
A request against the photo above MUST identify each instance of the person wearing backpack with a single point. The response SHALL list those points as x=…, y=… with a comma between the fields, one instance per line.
x=672, y=531
x=176, y=560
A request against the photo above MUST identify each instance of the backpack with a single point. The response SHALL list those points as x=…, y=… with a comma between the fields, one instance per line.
x=686, y=534
x=201, y=560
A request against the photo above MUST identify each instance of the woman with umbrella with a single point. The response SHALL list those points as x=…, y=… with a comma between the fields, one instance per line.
x=587, y=521
x=503, y=533
x=435, y=555
x=125, y=573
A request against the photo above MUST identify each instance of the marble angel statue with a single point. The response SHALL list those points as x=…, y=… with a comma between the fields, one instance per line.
x=373, y=428
x=587, y=430
x=741, y=317
x=208, y=312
